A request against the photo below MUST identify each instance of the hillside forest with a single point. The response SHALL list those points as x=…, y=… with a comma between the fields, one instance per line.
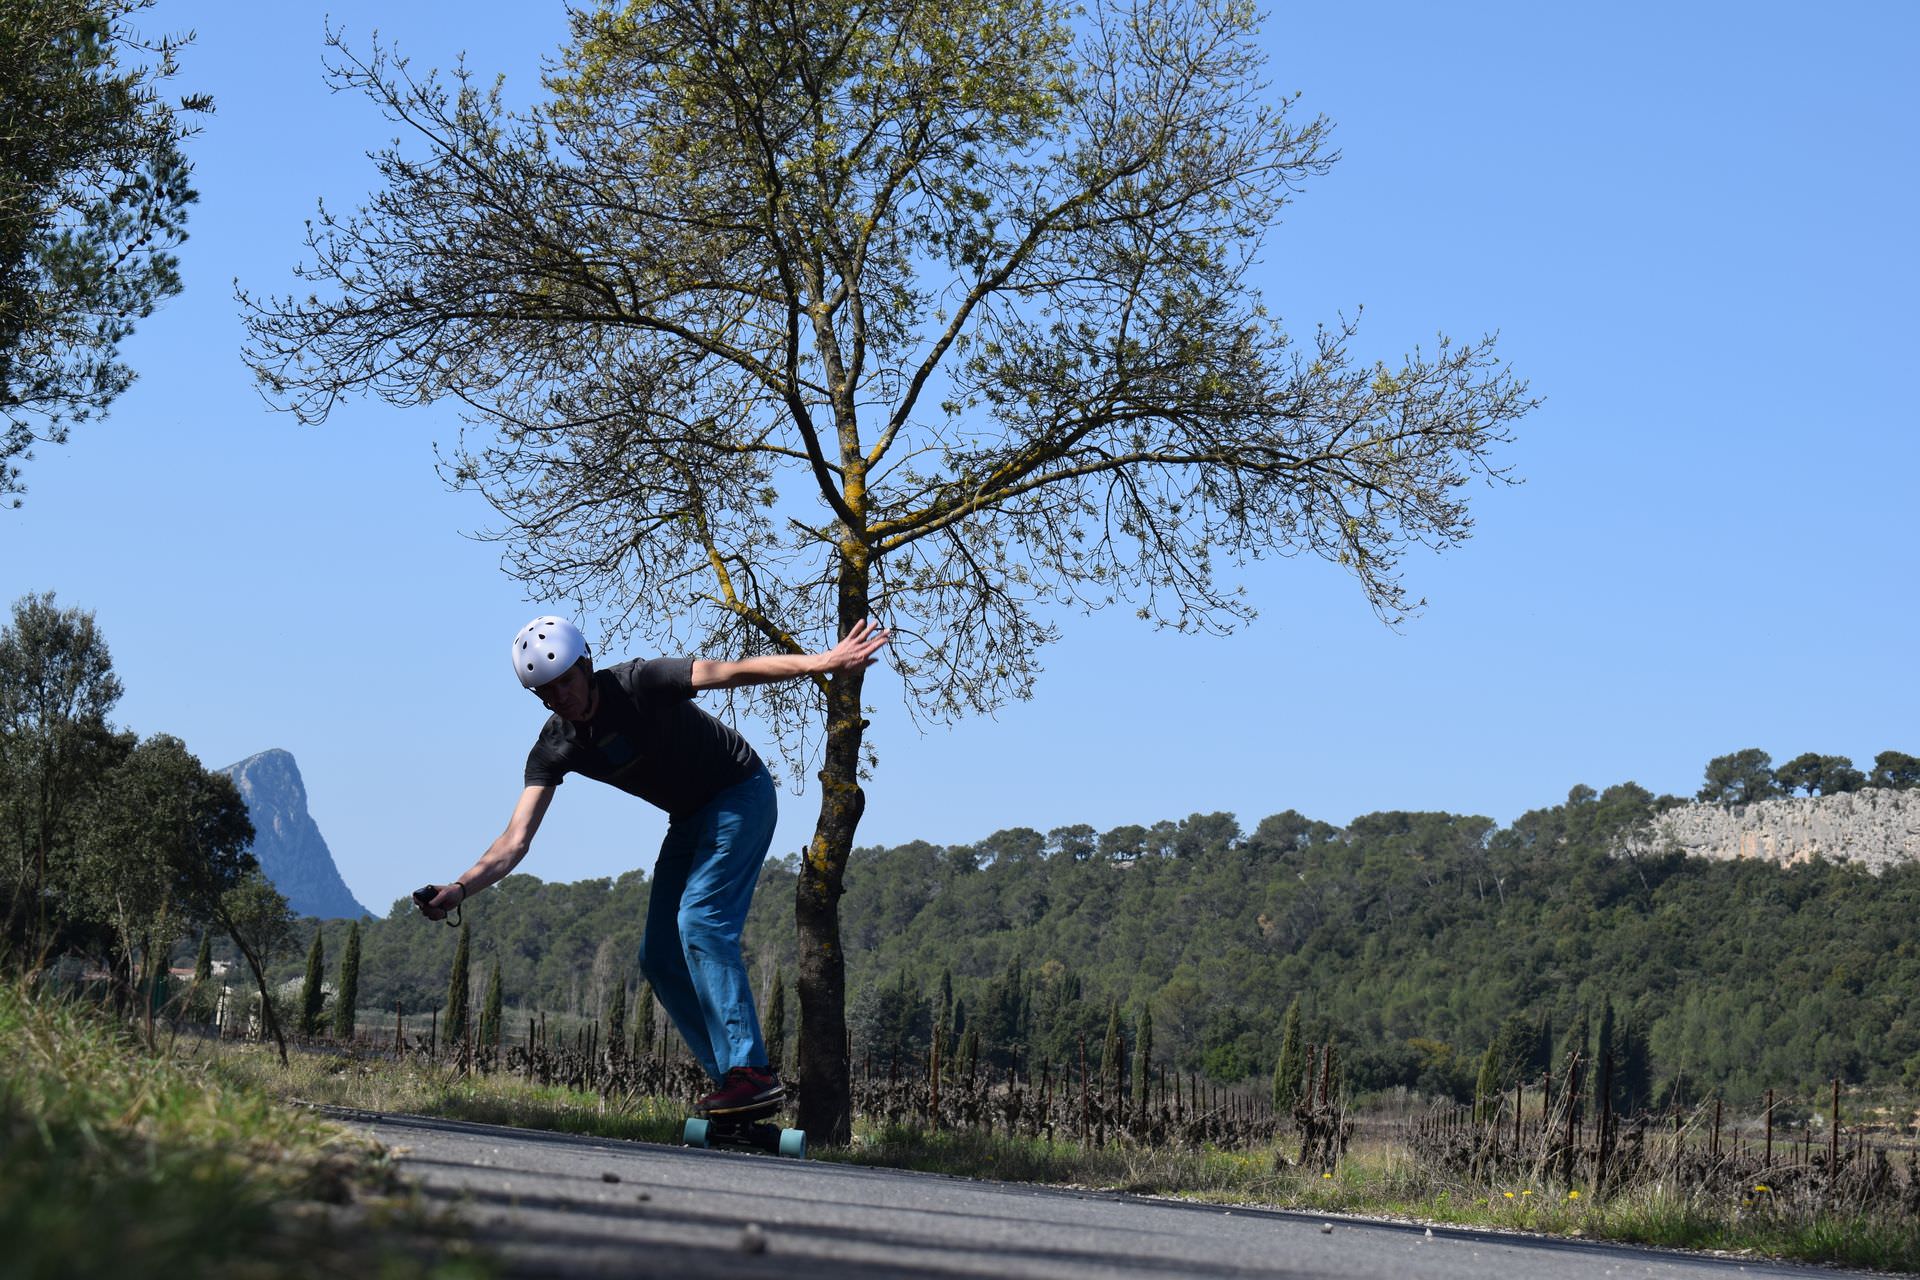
x=1425, y=944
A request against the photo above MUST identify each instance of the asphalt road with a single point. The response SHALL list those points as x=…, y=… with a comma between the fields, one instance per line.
x=564, y=1206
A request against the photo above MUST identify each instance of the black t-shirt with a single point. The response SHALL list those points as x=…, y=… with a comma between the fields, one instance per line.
x=646, y=738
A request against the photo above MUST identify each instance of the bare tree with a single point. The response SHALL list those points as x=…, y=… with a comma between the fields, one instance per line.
x=770, y=317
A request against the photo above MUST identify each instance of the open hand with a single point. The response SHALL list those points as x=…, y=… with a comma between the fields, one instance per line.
x=856, y=651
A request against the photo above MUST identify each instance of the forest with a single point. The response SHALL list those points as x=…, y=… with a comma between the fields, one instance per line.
x=1422, y=943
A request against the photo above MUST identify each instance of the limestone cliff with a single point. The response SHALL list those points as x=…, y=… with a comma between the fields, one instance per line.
x=286, y=839
x=1874, y=828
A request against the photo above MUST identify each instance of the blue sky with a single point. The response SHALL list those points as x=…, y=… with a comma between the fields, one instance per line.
x=1691, y=225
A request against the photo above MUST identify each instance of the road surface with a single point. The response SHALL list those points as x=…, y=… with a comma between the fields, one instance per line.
x=558, y=1205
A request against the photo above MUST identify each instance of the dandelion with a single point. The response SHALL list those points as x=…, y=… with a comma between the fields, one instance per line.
x=1761, y=1188
x=1573, y=1195
x=1327, y=1176
x=1508, y=1194
x=1527, y=1192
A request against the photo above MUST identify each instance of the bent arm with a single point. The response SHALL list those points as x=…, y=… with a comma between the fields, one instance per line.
x=853, y=653
x=501, y=857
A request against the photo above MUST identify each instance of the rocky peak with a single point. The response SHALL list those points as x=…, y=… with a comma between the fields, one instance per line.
x=286, y=839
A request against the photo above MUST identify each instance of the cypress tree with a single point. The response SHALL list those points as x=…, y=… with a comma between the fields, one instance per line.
x=1143, y=1054
x=1110, y=1050
x=617, y=1019
x=311, y=993
x=203, y=1000
x=492, y=1009
x=453, y=1027
x=346, y=997
x=644, y=1030
x=1603, y=1049
x=777, y=1021
x=1486, y=1087
x=1289, y=1071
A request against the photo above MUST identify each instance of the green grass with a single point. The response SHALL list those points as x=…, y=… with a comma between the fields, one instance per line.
x=379, y=1084
x=1378, y=1178
x=117, y=1162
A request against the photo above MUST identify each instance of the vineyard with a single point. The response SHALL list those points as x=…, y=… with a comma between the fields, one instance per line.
x=1553, y=1136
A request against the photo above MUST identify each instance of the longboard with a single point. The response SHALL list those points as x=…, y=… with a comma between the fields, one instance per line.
x=745, y=1131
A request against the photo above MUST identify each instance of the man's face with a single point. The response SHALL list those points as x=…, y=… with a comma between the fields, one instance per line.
x=569, y=696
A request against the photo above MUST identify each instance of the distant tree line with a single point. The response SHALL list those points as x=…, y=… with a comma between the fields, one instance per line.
x=1442, y=953
x=1742, y=777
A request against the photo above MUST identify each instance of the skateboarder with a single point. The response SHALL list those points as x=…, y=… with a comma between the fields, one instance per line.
x=635, y=727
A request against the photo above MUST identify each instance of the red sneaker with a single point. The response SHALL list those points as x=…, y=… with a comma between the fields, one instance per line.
x=745, y=1089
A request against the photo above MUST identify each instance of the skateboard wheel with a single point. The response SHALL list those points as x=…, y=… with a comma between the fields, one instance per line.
x=695, y=1134
x=793, y=1142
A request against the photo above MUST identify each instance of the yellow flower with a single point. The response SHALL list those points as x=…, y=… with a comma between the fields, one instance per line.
x=1526, y=1193
x=1508, y=1194
x=1573, y=1195
x=1761, y=1186
x=1326, y=1175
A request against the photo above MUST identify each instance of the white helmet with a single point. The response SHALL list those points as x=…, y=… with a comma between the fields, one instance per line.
x=545, y=648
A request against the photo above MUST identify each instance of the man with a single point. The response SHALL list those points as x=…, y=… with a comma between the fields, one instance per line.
x=635, y=727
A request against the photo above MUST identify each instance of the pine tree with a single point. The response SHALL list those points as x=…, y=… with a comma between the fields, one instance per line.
x=776, y=1035
x=312, y=995
x=453, y=1027
x=1289, y=1071
x=346, y=998
x=617, y=1018
x=492, y=1009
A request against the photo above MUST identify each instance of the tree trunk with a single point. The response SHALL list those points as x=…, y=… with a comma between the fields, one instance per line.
x=260, y=980
x=826, y=1093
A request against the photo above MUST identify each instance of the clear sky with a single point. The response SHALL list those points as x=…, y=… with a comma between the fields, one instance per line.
x=1692, y=225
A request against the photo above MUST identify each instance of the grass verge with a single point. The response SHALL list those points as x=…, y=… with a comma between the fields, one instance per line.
x=116, y=1162
x=1378, y=1179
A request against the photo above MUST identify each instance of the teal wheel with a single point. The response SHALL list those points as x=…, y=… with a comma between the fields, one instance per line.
x=793, y=1142
x=695, y=1134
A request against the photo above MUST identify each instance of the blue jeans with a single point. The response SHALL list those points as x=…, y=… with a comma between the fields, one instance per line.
x=702, y=886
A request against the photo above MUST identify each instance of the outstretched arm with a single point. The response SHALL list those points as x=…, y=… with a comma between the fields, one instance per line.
x=501, y=857
x=854, y=653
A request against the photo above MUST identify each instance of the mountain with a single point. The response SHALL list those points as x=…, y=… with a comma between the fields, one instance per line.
x=290, y=848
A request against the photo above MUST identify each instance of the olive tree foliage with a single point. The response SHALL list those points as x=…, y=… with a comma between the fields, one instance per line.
x=94, y=190
x=770, y=317
x=167, y=843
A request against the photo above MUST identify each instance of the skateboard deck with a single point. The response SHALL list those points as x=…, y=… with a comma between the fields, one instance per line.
x=747, y=1131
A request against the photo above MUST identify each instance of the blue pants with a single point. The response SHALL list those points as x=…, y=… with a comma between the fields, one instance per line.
x=702, y=886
